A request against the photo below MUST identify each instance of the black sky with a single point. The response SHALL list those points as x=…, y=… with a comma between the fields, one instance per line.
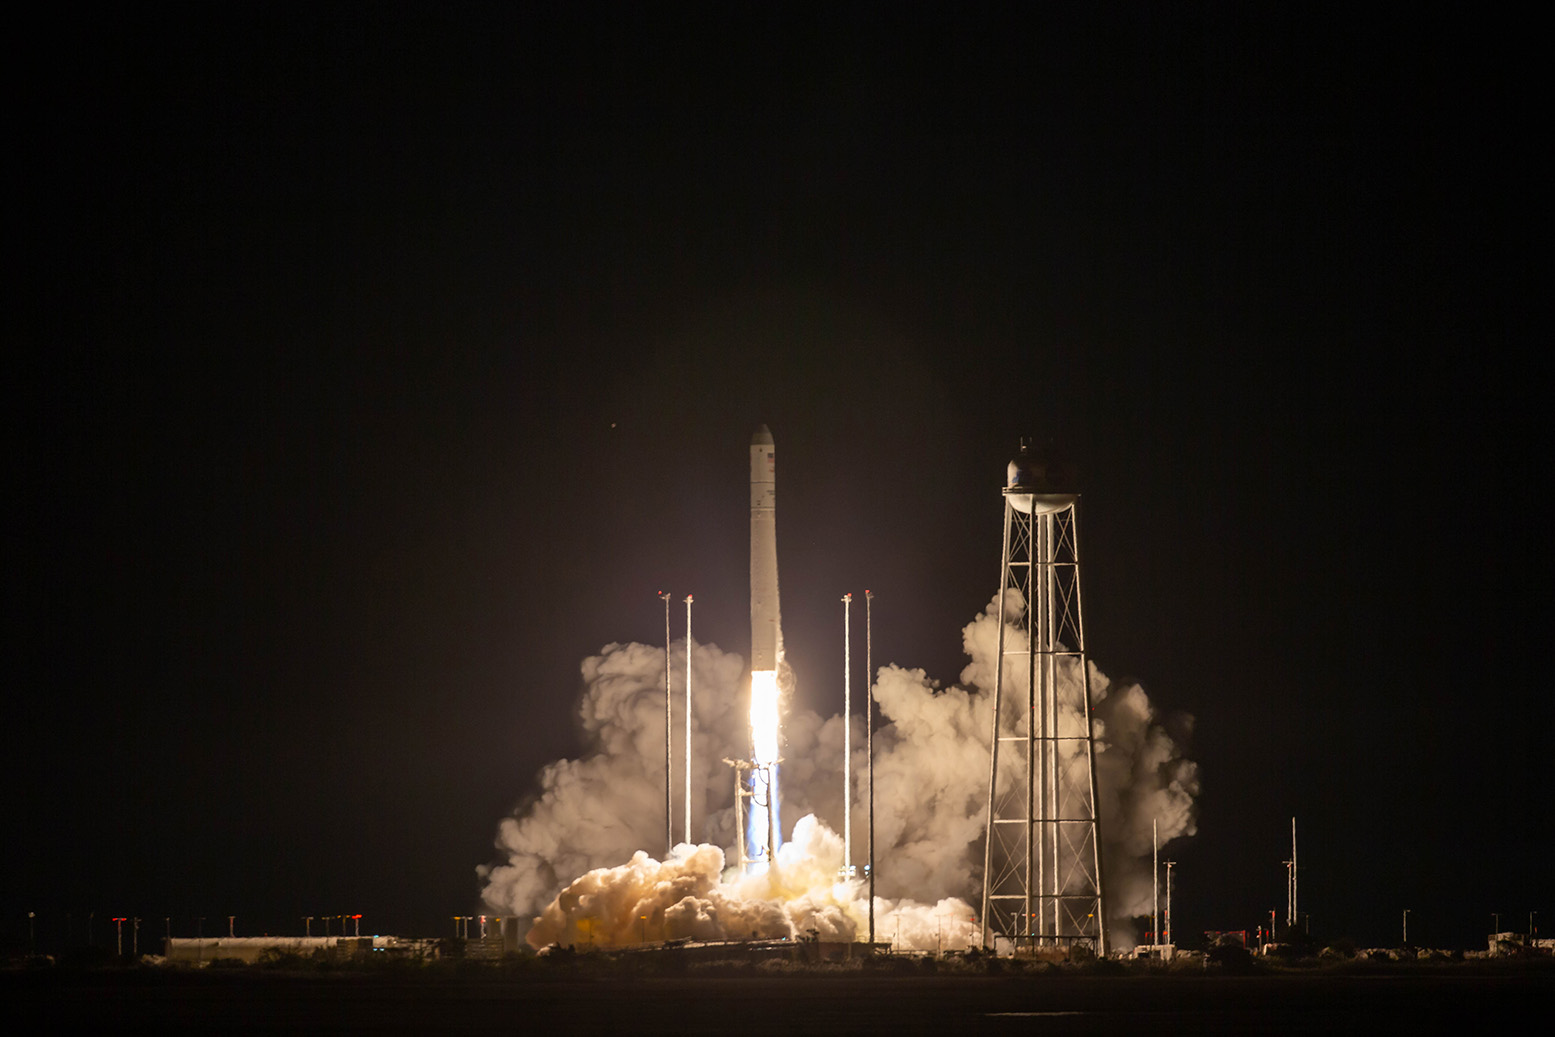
x=378, y=364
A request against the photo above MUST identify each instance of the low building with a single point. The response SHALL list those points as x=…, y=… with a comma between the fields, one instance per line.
x=502, y=936
x=1503, y=944
x=1158, y=951
x=249, y=949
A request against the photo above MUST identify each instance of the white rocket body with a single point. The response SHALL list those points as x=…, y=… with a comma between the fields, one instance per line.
x=766, y=638
x=763, y=834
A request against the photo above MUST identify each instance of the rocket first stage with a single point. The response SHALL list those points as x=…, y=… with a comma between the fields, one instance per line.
x=763, y=833
x=766, y=640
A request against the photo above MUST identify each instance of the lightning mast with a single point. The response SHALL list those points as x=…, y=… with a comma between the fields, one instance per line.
x=869, y=743
x=669, y=728
x=1291, y=913
x=688, y=719
x=847, y=738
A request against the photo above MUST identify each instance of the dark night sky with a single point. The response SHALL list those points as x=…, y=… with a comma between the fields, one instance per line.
x=378, y=365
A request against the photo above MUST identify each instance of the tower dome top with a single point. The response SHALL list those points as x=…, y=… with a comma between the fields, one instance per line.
x=1038, y=479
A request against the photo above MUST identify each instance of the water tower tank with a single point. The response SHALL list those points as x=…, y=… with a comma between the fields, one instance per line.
x=1038, y=482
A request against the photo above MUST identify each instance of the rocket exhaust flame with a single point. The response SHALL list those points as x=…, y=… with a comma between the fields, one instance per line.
x=764, y=716
x=761, y=835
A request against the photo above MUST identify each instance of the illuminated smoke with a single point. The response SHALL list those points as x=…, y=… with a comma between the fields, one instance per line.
x=690, y=896
x=602, y=807
x=931, y=775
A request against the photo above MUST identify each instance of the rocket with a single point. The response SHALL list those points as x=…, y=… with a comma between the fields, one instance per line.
x=766, y=639
x=763, y=833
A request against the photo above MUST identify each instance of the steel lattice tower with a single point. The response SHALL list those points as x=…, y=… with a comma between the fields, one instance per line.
x=1042, y=878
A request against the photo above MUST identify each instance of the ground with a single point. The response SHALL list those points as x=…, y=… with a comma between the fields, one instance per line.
x=1417, y=1000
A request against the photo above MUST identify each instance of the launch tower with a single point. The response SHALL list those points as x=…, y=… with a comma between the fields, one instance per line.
x=1042, y=880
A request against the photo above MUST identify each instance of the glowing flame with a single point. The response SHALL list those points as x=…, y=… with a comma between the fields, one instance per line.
x=763, y=823
x=764, y=716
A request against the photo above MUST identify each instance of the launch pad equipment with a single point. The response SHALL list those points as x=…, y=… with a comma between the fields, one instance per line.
x=1042, y=878
x=751, y=781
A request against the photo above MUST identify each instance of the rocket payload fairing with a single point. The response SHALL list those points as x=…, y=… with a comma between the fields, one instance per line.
x=766, y=637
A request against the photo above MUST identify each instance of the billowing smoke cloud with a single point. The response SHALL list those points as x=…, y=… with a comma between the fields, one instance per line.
x=602, y=808
x=689, y=896
x=565, y=846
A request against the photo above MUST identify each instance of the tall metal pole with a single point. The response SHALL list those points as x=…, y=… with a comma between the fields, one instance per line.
x=669, y=810
x=741, y=793
x=688, y=719
x=1295, y=906
x=869, y=745
x=772, y=842
x=1048, y=858
x=1090, y=741
x=1036, y=743
x=1155, y=886
x=847, y=738
x=993, y=739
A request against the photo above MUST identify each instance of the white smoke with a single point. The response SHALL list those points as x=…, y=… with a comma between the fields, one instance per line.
x=564, y=847
x=689, y=896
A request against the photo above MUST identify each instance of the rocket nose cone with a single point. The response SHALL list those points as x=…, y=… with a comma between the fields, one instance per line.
x=763, y=436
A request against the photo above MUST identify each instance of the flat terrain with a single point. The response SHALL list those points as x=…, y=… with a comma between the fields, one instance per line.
x=1445, y=1000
